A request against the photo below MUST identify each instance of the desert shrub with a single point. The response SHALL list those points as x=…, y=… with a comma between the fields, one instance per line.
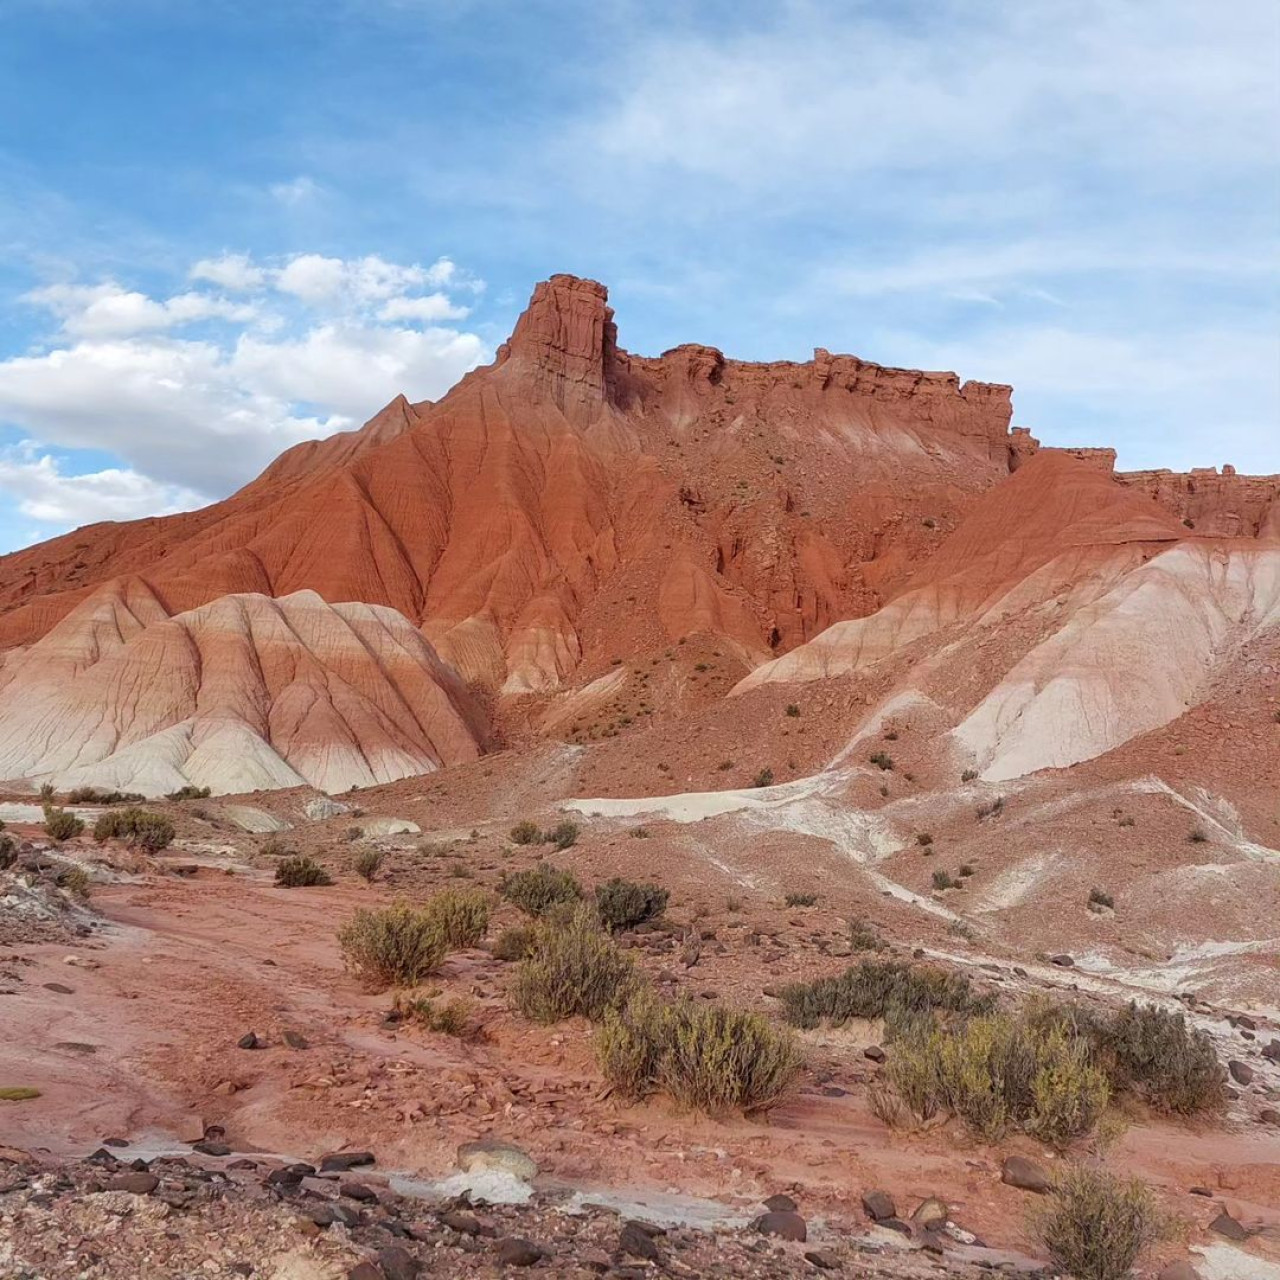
x=301, y=872
x=514, y=943
x=924, y=839
x=539, y=888
x=1100, y=898
x=274, y=847
x=448, y=1018
x=572, y=968
x=397, y=945
x=1198, y=836
x=992, y=809
x=888, y=989
x=47, y=794
x=61, y=825
x=75, y=881
x=793, y=710
x=461, y=914
x=639, y=833
x=942, y=880
x=1095, y=1225
x=705, y=1056
x=998, y=1072
x=801, y=899
x=967, y=869
x=882, y=759
x=764, y=778
x=623, y=904
x=563, y=835
x=188, y=792
x=95, y=795
x=863, y=936
x=149, y=831
x=1155, y=1055
x=367, y=863
x=8, y=852
x=968, y=775
x=526, y=832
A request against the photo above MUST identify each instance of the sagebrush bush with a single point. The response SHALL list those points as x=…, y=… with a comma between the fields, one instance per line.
x=1100, y=898
x=942, y=880
x=449, y=1017
x=537, y=889
x=61, y=825
x=75, y=881
x=864, y=936
x=514, y=943
x=301, y=872
x=1000, y=1072
x=367, y=863
x=801, y=899
x=563, y=835
x=189, y=792
x=8, y=852
x=1095, y=1225
x=526, y=832
x=461, y=914
x=572, y=968
x=397, y=945
x=623, y=904
x=149, y=831
x=888, y=989
x=882, y=759
x=764, y=778
x=1155, y=1055
x=705, y=1056
x=95, y=795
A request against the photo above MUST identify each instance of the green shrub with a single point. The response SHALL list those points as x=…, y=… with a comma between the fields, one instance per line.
x=149, y=831
x=1155, y=1055
x=397, y=945
x=60, y=825
x=705, y=1056
x=1096, y=1226
x=863, y=936
x=8, y=852
x=563, y=835
x=572, y=968
x=924, y=839
x=998, y=1072
x=882, y=759
x=623, y=904
x=274, y=847
x=792, y=710
x=764, y=778
x=75, y=881
x=514, y=943
x=47, y=794
x=189, y=792
x=942, y=880
x=888, y=989
x=992, y=809
x=526, y=832
x=537, y=889
x=450, y=1018
x=968, y=775
x=1198, y=836
x=461, y=914
x=94, y=795
x=367, y=864
x=639, y=833
x=801, y=899
x=301, y=872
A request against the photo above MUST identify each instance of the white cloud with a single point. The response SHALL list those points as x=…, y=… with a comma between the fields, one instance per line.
x=297, y=191
x=201, y=414
x=234, y=271
x=46, y=493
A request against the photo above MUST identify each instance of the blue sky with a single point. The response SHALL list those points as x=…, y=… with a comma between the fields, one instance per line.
x=226, y=226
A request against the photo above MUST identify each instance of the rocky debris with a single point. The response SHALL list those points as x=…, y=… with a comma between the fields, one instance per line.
x=879, y=1205
x=1062, y=961
x=494, y=1155
x=341, y=1161
x=1271, y=1050
x=1025, y=1174
x=1241, y=1072
x=398, y=1263
x=322, y=808
x=249, y=1041
x=931, y=1214
x=1180, y=1270
x=138, y=1184
x=516, y=1251
x=785, y=1225
x=781, y=1204
x=635, y=1242
x=1228, y=1228
x=296, y=1040
x=375, y=827
x=874, y=1052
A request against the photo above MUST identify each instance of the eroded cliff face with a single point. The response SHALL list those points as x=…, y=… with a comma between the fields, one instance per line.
x=1213, y=503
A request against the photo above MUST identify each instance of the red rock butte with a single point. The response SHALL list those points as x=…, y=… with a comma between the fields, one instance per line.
x=357, y=612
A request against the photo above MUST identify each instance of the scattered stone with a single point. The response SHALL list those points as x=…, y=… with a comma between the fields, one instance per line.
x=1180, y=1270
x=786, y=1226
x=1062, y=961
x=781, y=1204
x=1269, y=1115
x=341, y=1161
x=76, y=1046
x=59, y=988
x=398, y=1263
x=516, y=1251
x=1271, y=1051
x=466, y=1224
x=931, y=1214
x=821, y=1259
x=492, y=1154
x=295, y=1040
x=364, y=1271
x=115, y=1142
x=358, y=1191
x=635, y=1242
x=210, y=1147
x=248, y=1041
x=1228, y=1228
x=1025, y=1174
x=1200, y=1191
x=1241, y=1072
x=138, y=1184
x=874, y=1052
x=879, y=1205
x=322, y=808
